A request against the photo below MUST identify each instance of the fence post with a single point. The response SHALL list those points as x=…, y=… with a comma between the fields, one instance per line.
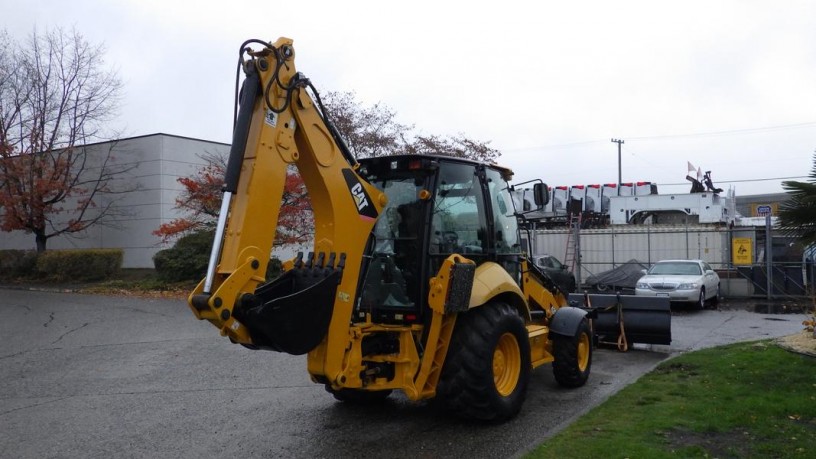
x=729, y=257
x=612, y=235
x=686, y=232
x=768, y=257
x=578, y=255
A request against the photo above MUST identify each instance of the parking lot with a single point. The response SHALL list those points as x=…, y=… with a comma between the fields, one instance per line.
x=113, y=376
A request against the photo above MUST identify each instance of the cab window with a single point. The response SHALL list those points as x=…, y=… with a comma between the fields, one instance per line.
x=457, y=223
x=505, y=224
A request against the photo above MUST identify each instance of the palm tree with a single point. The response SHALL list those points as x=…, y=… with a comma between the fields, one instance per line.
x=797, y=215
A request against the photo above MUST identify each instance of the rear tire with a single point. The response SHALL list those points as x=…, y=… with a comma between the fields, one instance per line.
x=359, y=396
x=701, y=302
x=487, y=368
x=573, y=356
x=715, y=300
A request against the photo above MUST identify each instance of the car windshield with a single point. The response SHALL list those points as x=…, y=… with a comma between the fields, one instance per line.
x=676, y=268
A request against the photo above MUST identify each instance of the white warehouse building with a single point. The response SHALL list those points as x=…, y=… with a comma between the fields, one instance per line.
x=155, y=163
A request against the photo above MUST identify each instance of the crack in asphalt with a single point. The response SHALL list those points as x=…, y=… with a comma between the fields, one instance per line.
x=69, y=332
x=24, y=306
x=715, y=329
x=3, y=413
x=9, y=356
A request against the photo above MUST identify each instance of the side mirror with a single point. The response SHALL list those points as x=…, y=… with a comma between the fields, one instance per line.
x=643, y=271
x=541, y=194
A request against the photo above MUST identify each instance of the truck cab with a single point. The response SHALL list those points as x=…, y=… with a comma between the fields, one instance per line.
x=437, y=206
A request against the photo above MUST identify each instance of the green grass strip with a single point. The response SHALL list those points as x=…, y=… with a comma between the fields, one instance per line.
x=746, y=400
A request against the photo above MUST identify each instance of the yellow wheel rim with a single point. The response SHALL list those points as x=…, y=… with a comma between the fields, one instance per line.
x=583, y=352
x=506, y=364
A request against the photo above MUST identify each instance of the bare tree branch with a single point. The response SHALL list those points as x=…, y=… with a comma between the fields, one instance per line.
x=56, y=96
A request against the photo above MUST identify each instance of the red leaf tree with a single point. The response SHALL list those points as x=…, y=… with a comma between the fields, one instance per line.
x=55, y=97
x=201, y=200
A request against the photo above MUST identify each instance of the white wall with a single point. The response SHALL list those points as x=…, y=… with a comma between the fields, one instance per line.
x=159, y=160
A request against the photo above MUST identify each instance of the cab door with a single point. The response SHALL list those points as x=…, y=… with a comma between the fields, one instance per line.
x=458, y=218
x=504, y=239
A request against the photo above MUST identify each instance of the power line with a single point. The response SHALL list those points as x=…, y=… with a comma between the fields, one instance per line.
x=744, y=180
x=674, y=136
x=727, y=132
x=553, y=146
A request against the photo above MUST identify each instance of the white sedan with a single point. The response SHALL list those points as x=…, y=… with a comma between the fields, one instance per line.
x=691, y=281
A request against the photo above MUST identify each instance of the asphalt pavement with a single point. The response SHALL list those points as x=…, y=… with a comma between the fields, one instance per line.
x=88, y=376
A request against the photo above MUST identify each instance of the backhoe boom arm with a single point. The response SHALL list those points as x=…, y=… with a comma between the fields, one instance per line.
x=279, y=126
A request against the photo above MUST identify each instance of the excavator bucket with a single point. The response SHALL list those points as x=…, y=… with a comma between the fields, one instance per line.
x=292, y=313
x=627, y=319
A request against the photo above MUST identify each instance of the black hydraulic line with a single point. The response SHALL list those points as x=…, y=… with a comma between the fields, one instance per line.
x=341, y=143
x=249, y=92
x=338, y=139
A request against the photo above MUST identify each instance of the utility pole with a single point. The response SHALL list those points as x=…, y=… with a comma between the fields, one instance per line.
x=620, y=181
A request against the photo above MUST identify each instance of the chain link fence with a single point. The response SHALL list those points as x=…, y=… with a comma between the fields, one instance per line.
x=743, y=257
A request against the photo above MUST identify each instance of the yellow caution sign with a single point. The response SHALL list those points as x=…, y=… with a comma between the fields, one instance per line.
x=742, y=251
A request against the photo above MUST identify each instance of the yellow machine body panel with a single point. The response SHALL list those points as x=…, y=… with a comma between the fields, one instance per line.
x=492, y=280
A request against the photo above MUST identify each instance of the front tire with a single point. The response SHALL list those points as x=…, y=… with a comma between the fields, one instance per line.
x=573, y=356
x=487, y=368
x=702, y=300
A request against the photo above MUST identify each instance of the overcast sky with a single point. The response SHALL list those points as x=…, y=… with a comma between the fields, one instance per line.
x=729, y=86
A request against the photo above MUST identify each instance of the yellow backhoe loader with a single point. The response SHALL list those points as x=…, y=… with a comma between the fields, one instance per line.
x=417, y=280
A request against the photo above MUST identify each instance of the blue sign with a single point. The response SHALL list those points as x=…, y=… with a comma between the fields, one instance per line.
x=763, y=211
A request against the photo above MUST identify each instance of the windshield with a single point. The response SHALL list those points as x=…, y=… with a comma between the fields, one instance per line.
x=398, y=214
x=505, y=223
x=676, y=268
x=458, y=222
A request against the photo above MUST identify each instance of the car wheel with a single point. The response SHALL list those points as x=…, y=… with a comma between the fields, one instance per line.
x=701, y=301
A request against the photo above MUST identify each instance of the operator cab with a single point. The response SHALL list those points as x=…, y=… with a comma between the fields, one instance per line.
x=437, y=206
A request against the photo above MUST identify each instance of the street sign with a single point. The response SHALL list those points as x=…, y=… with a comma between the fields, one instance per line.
x=763, y=210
